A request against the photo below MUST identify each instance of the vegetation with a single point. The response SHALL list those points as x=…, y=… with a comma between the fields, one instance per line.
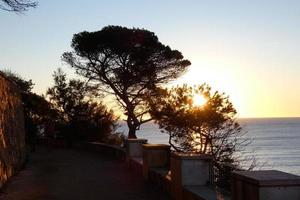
x=210, y=128
x=80, y=116
x=71, y=114
x=17, y=6
x=127, y=63
x=132, y=65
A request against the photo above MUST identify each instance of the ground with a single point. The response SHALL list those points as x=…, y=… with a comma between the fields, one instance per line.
x=68, y=174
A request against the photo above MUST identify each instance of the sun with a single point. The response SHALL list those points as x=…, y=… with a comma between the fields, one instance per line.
x=198, y=100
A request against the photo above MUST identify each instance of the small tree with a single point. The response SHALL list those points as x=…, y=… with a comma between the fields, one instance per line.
x=82, y=118
x=210, y=128
x=17, y=6
x=127, y=63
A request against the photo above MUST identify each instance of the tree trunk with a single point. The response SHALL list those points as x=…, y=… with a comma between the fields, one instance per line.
x=132, y=123
x=131, y=133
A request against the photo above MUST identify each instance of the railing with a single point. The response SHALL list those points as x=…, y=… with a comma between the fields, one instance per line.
x=188, y=176
x=105, y=149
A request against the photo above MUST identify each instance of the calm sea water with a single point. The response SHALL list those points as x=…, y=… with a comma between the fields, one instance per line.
x=275, y=141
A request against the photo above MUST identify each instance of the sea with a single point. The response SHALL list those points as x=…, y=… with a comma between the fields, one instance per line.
x=274, y=142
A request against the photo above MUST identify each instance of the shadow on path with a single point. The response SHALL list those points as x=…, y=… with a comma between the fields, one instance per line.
x=68, y=174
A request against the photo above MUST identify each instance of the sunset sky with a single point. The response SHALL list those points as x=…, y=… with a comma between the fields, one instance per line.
x=248, y=49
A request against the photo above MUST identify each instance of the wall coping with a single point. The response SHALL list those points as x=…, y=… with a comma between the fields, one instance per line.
x=107, y=145
x=163, y=172
x=190, y=156
x=207, y=192
x=138, y=160
x=268, y=178
x=156, y=146
x=137, y=140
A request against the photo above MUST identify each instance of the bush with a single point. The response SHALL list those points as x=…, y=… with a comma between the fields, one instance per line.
x=81, y=116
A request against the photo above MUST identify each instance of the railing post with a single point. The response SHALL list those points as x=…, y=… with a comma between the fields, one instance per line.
x=265, y=185
x=155, y=155
x=134, y=148
x=189, y=169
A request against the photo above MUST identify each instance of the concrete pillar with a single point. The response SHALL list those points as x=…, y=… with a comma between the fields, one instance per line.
x=265, y=185
x=189, y=169
x=134, y=148
x=155, y=155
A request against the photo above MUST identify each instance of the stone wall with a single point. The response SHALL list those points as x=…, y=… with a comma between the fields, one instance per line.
x=12, y=130
x=188, y=175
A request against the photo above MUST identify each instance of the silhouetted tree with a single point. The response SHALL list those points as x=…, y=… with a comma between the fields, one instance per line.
x=127, y=63
x=208, y=129
x=17, y=5
x=82, y=117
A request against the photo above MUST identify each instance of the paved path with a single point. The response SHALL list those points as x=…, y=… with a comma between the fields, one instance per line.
x=67, y=174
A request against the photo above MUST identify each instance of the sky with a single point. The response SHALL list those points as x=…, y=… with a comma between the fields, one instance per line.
x=249, y=49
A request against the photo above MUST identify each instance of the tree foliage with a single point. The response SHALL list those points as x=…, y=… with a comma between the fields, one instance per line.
x=81, y=117
x=25, y=85
x=208, y=129
x=127, y=63
x=36, y=107
x=18, y=6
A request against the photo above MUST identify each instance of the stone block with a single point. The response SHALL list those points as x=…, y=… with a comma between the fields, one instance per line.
x=134, y=147
x=189, y=169
x=265, y=185
x=155, y=156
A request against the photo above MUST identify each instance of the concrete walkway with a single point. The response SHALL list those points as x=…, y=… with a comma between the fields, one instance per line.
x=67, y=174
